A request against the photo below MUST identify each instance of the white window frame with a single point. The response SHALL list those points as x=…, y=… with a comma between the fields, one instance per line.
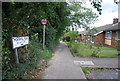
x=116, y=35
x=107, y=36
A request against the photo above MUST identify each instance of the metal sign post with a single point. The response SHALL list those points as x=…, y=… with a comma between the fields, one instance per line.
x=19, y=42
x=44, y=21
x=44, y=36
x=16, y=53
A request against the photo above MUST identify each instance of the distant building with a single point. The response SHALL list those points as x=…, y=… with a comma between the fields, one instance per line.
x=107, y=35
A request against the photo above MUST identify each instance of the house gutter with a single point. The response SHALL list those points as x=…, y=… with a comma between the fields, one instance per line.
x=98, y=33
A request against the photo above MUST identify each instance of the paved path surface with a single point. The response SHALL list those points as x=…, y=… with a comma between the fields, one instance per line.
x=61, y=66
x=100, y=62
x=64, y=66
x=111, y=74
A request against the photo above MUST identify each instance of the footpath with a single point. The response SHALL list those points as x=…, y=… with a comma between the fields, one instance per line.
x=64, y=66
x=61, y=66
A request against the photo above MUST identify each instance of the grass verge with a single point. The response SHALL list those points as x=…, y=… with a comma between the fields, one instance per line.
x=84, y=50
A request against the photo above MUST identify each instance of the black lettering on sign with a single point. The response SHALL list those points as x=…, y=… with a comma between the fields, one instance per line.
x=44, y=21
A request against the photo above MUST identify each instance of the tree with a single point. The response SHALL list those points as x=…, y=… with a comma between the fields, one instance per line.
x=80, y=16
x=23, y=19
x=97, y=4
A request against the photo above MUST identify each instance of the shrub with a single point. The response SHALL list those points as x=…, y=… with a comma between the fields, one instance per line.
x=22, y=70
x=75, y=47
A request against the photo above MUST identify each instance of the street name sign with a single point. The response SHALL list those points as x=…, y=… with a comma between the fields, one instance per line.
x=20, y=41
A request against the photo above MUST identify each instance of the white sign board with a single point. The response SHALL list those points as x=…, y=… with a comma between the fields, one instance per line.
x=20, y=41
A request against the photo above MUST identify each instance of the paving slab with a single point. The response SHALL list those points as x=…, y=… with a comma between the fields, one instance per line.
x=84, y=62
x=61, y=66
x=108, y=74
x=100, y=62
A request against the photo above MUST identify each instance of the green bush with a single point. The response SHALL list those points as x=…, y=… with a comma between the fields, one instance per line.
x=46, y=54
x=75, y=47
x=21, y=71
x=66, y=39
x=23, y=23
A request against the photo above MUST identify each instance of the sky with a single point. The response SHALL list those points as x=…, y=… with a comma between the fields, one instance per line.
x=109, y=11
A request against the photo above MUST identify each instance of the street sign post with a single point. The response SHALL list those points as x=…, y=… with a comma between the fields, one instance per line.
x=18, y=42
x=44, y=21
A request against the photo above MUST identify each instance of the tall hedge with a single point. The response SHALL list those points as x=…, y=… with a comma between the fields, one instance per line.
x=23, y=19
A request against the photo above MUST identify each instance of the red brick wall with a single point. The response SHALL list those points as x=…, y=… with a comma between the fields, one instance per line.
x=100, y=38
x=78, y=37
x=83, y=39
x=114, y=42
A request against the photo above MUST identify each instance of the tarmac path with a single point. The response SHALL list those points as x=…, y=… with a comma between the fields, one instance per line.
x=61, y=66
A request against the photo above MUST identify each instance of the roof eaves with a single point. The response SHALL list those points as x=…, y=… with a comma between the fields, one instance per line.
x=98, y=33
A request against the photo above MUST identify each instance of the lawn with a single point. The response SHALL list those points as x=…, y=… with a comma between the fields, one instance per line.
x=84, y=50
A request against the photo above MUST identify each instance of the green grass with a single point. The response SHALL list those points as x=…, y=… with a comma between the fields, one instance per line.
x=79, y=49
x=88, y=53
x=107, y=48
x=46, y=54
x=86, y=69
x=84, y=53
x=108, y=53
x=85, y=46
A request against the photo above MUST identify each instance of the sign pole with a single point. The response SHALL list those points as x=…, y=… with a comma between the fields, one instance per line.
x=43, y=21
x=17, y=59
x=43, y=36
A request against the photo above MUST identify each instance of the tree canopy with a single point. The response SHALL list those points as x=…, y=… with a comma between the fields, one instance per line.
x=80, y=16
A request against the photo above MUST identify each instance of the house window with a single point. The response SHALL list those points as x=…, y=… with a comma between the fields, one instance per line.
x=92, y=39
x=108, y=35
x=117, y=35
x=88, y=37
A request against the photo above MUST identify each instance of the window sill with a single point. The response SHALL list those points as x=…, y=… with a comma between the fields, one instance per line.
x=108, y=38
x=117, y=39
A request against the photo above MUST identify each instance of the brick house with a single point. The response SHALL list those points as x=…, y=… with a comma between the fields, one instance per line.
x=107, y=35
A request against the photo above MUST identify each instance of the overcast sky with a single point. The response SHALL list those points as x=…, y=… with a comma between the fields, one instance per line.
x=109, y=11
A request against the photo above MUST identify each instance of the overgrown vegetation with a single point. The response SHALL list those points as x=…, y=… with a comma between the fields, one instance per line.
x=28, y=63
x=23, y=19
